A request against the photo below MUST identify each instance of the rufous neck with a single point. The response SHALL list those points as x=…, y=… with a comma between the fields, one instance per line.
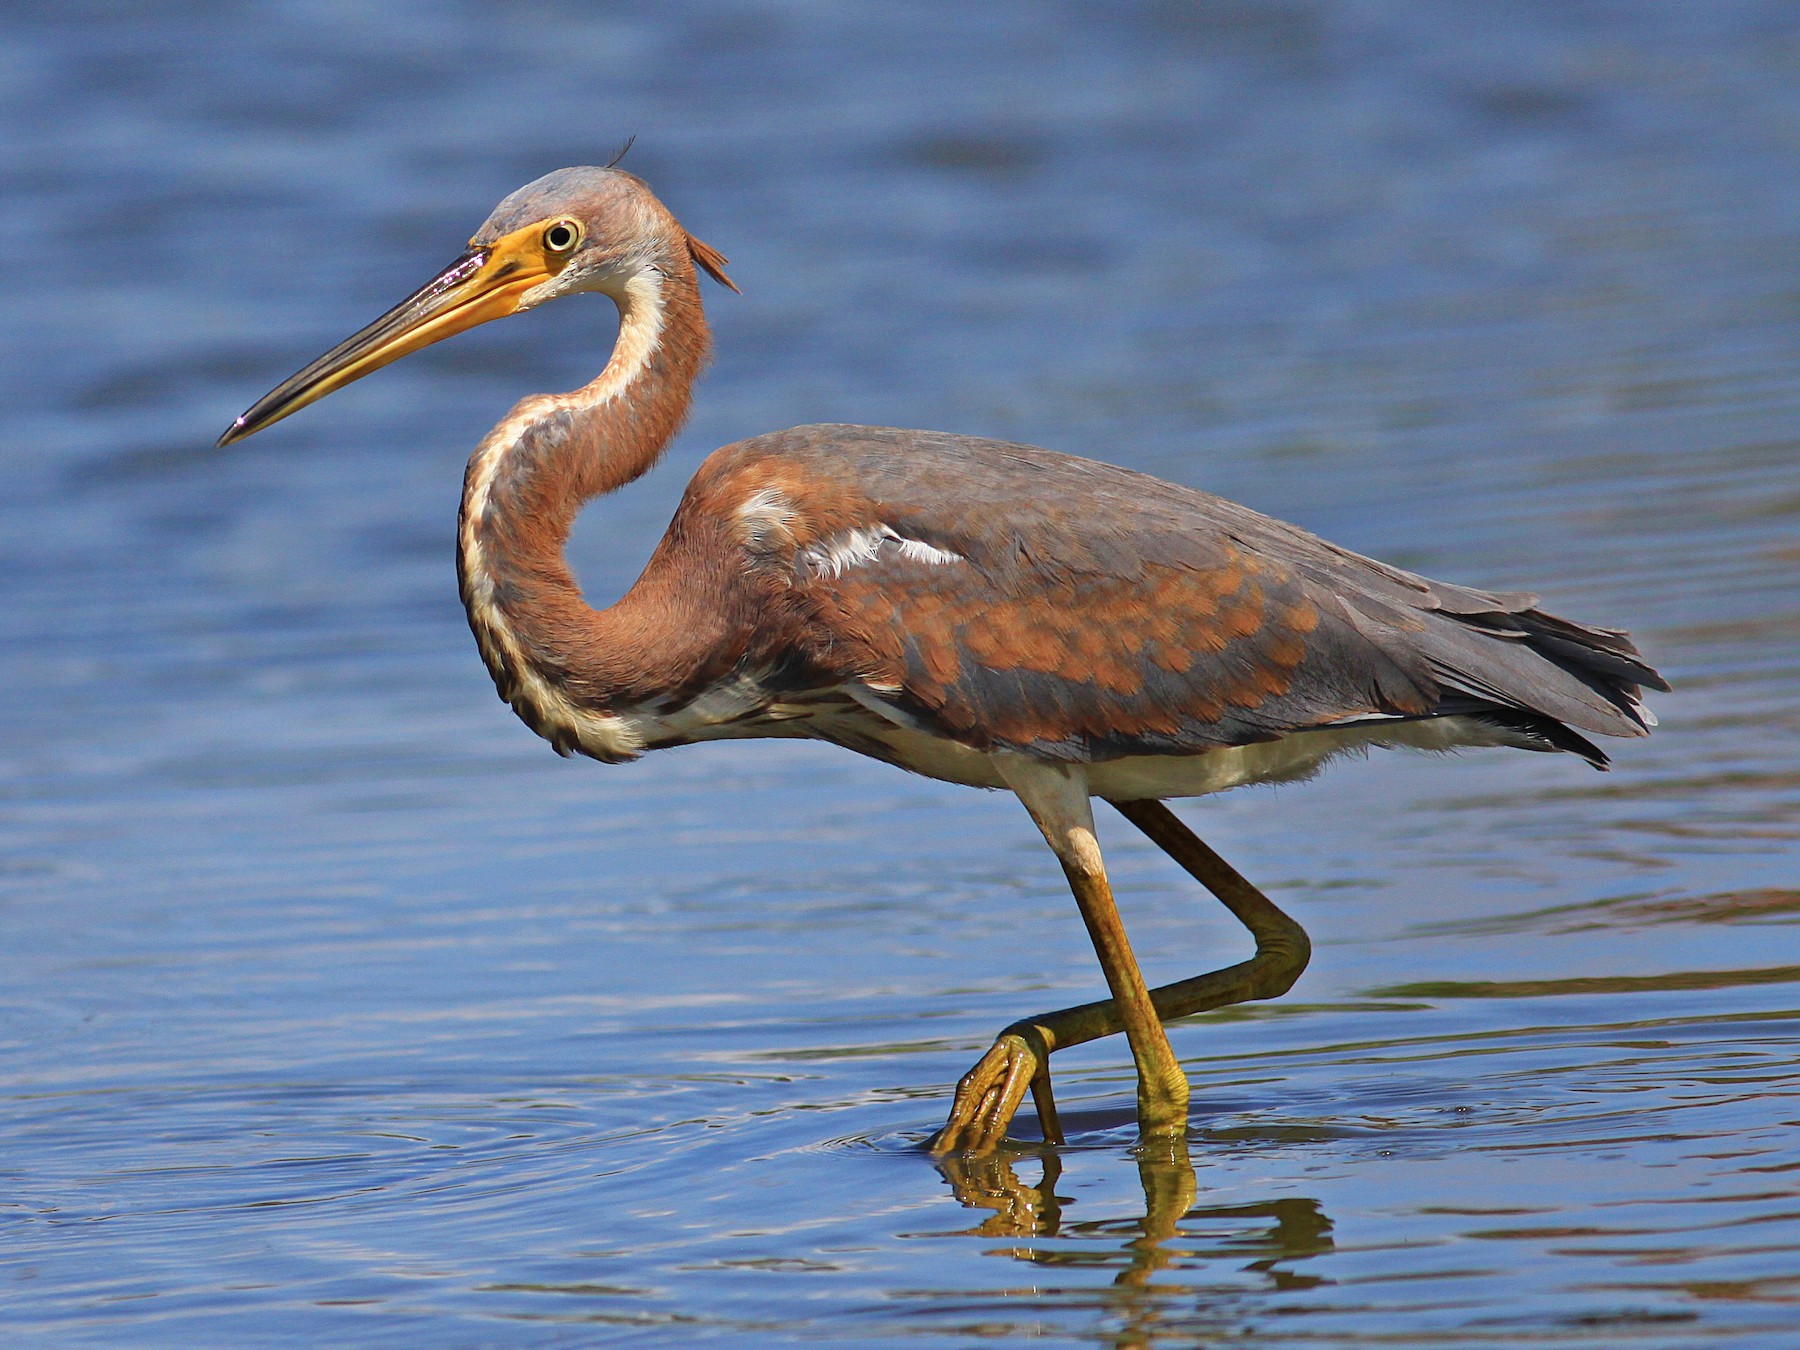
x=554, y=452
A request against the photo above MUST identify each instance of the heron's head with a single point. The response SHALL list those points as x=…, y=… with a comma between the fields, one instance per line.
x=586, y=229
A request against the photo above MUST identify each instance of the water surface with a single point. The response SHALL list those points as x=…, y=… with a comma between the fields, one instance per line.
x=333, y=1007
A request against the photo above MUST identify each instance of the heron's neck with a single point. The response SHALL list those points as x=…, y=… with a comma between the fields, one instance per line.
x=530, y=477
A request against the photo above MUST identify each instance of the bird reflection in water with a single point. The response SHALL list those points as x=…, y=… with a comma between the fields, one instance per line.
x=1173, y=1231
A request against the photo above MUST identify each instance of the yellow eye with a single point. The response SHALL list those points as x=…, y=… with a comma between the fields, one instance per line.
x=561, y=236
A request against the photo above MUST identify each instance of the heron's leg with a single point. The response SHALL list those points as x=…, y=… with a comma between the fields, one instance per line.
x=1022, y=1051
x=1282, y=947
x=989, y=1094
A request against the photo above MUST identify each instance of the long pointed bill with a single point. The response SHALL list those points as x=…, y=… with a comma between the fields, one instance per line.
x=486, y=283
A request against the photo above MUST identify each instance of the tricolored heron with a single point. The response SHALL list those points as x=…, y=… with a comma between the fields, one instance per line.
x=983, y=613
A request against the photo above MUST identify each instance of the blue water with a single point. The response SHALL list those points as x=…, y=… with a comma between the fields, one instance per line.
x=334, y=1008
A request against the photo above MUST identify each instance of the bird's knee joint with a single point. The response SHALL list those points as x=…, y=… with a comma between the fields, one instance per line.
x=1037, y=1039
x=1079, y=853
x=1283, y=955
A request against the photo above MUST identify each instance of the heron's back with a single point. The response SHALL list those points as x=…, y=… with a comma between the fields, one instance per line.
x=1009, y=597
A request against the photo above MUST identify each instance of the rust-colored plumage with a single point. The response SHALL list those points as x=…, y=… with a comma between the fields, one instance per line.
x=989, y=614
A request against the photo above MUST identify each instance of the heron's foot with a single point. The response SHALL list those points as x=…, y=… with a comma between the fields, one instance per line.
x=990, y=1094
x=1162, y=1110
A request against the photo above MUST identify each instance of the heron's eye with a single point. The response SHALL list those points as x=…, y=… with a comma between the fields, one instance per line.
x=562, y=236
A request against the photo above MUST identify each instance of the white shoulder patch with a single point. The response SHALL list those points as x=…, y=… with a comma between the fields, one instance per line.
x=863, y=545
x=766, y=517
x=916, y=550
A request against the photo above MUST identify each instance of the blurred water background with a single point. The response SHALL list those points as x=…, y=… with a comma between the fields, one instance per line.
x=335, y=1008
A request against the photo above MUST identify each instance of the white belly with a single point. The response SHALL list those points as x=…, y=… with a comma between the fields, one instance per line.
x=859, y=720
x=1144, y=777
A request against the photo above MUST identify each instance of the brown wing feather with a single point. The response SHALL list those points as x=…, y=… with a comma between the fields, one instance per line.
x=1092, y=612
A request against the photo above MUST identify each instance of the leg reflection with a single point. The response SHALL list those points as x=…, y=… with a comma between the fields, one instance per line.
x=1170, y=1189
x=987, y=1181
x=1175, y=1234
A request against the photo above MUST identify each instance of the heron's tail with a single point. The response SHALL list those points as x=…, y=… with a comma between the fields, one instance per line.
x=1543, y=676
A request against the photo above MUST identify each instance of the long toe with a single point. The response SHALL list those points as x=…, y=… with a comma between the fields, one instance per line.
x=988, y=1097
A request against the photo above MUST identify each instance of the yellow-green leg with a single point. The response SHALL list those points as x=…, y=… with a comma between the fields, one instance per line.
x=990, y=1093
